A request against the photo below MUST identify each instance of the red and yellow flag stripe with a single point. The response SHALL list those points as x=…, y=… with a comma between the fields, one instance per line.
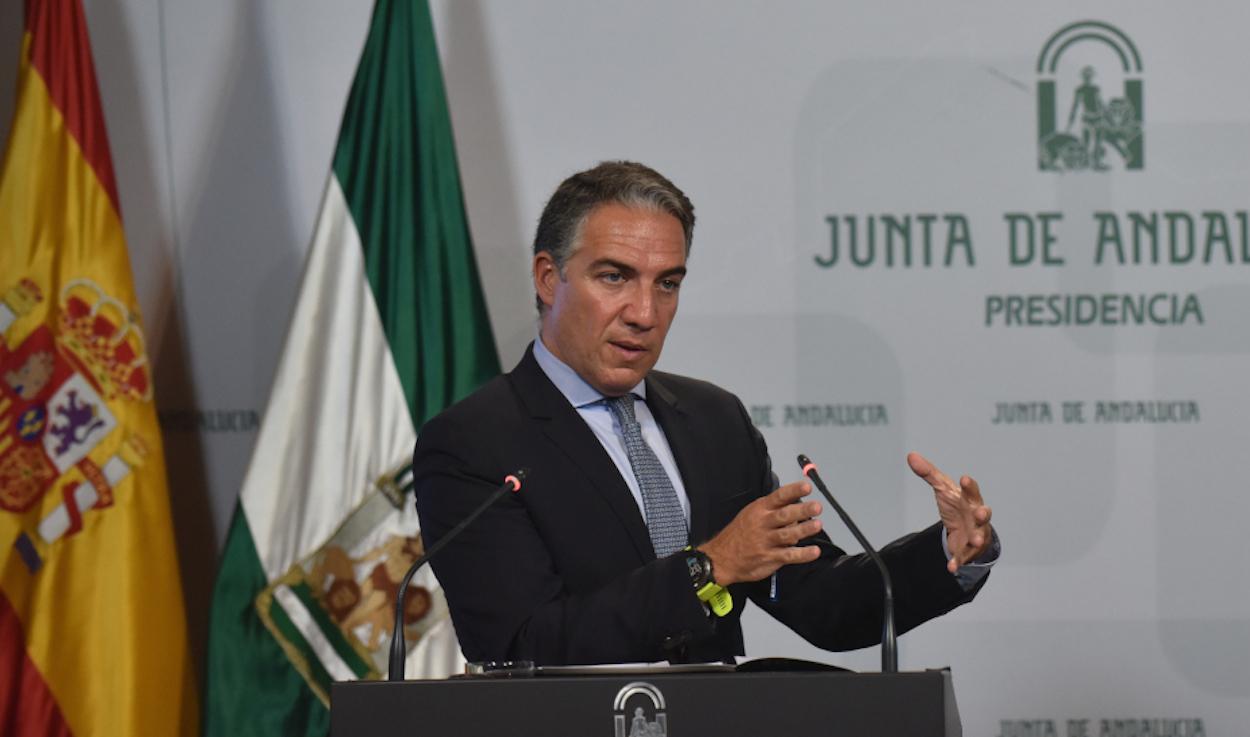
x=92, y=627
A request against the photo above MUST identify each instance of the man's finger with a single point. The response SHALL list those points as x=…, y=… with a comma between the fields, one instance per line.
x=957, y=559
x=799, y=554
x=796, y=512
x=919, y=464
x=791, y=534
x=971, y=490
x=925, y=469
x=789, y=494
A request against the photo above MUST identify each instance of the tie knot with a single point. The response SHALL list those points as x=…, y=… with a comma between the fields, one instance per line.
x=623, y=408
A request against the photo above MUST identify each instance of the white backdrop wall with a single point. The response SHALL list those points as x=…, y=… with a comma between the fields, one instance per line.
x=1122, y=597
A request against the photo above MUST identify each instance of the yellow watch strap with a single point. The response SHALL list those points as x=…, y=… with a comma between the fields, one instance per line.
x=717, y=598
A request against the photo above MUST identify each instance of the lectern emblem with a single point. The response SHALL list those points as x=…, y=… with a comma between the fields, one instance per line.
x=633, y=704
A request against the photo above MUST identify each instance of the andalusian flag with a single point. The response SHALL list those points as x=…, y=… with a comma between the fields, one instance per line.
x=92, y=632
x=389, y=328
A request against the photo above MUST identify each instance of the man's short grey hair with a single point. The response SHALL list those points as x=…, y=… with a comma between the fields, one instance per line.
x=611, y=182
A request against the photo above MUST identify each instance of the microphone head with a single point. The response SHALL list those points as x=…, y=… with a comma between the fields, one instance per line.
x=514, y=479
x=806, y=464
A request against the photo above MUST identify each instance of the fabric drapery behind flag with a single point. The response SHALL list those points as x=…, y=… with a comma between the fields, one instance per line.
x=92, y=629
x=390, y=326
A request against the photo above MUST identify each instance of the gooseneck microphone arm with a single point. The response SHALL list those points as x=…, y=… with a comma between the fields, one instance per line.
x=395, y=668
x=889, y=637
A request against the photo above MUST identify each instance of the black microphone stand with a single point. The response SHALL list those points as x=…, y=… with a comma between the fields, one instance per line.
x=889, y=637
x=395, y=667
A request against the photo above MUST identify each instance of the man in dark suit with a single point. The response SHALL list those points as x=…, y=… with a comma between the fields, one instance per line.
x=651, y=513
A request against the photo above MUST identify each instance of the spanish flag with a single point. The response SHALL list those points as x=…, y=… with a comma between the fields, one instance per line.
x=92, y=630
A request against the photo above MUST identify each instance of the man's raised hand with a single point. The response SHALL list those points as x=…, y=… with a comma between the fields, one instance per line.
x=963, y=512
x=763, y=536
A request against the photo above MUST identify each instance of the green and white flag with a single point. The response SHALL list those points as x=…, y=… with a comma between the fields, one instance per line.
x=390, y=326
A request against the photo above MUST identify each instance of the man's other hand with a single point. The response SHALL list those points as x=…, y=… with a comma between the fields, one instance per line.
x=963, y=512
x=763, y=537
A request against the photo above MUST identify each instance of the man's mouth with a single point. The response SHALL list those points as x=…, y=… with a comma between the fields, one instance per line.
x=631, y=350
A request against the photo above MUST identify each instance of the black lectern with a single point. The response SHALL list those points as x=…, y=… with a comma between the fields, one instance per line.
x=653, y=704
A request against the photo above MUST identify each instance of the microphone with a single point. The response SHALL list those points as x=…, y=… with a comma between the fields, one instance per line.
x=889, y=637
x=395, y=668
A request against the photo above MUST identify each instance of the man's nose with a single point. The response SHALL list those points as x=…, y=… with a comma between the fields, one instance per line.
x=639, y=312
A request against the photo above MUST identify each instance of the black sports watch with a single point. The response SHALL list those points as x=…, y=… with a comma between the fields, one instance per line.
x=700, y=567
x=715, y=598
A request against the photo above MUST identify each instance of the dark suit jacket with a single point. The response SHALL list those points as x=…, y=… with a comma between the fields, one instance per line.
x=564, y=572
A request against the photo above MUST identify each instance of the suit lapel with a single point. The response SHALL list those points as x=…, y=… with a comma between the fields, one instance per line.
x=690, y=450
x=569, y=434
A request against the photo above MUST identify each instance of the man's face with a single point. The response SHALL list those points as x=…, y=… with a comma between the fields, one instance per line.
x=608, y=315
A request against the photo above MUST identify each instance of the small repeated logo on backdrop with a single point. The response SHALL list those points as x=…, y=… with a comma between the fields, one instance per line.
x=1105, y=727
x=638, y=711
x=1089, y=100
x=205, y=420
x=61, y=385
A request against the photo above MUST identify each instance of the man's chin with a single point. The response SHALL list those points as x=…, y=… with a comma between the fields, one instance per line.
x=621, y=382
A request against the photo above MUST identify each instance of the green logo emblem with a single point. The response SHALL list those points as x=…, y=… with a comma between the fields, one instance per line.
x=1091, y=126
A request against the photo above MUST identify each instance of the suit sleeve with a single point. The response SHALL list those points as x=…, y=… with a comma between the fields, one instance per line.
x=507, y=599
x=835, y=602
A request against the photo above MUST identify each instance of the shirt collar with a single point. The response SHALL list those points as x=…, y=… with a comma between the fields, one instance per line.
x=573, y=387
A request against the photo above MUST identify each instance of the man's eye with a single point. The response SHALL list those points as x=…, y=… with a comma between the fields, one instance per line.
x=670, y=285
x=612, y=277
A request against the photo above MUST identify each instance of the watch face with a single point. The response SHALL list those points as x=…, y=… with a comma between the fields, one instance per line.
x=698, y=566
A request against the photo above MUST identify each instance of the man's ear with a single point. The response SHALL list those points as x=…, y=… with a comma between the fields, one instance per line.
x=546, y=274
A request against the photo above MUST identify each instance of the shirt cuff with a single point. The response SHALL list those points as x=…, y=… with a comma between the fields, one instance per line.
x=970, y=574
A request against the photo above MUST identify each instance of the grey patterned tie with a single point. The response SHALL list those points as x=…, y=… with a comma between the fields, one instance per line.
x=665, y=521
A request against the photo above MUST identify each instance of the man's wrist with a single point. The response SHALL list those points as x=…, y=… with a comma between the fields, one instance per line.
x=720, y=574
x=986, y=557
x=971, y=573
